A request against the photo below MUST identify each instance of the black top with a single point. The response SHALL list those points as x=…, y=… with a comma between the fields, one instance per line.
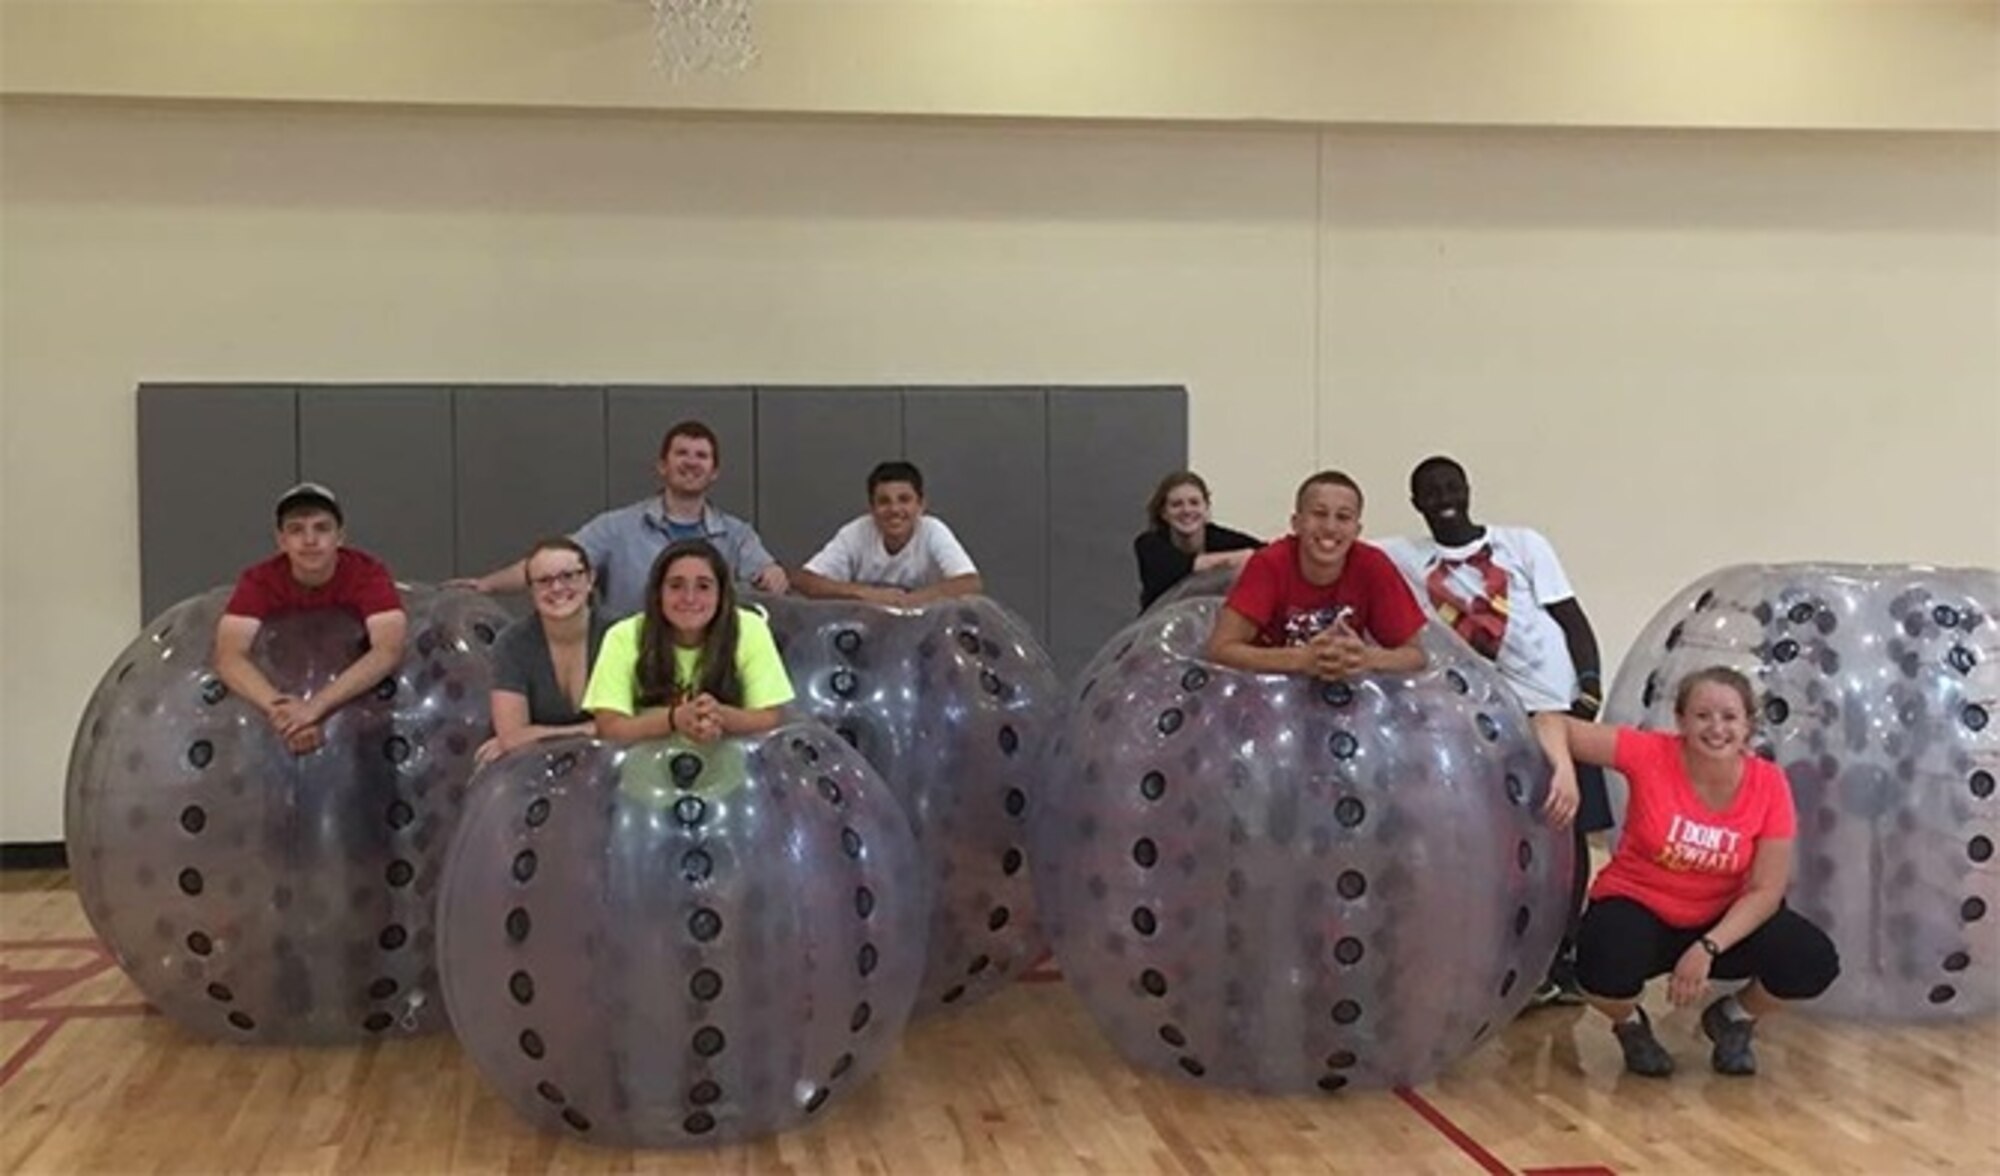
x=521, y=665
x=1162, y=565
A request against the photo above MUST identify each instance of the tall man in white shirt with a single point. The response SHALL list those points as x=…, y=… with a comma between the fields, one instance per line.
x=1504, y=591
x=895, y=554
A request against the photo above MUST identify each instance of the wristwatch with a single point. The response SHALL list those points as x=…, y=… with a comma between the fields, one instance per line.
x=1711, y=947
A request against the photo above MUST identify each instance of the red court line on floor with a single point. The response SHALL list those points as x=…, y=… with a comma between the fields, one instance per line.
x=22, y=1005
x=1476, y=1151
x=32, y=976
x=40, y=984
x=1045, y=971
x=26, y=1051
x=1452, y=1131
x=49, y=944
x=46, y=982
x=95, y=1012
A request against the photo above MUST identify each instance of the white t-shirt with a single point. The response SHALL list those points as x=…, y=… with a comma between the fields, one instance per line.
x=855, y=554
x=1495, y=593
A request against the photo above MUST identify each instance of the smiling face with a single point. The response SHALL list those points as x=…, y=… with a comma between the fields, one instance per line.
x=689, y=596
x=558, y=582
x=896, y=507
x=689, y=467
x=311, y=542
x=1441, y=495
x=1714, y=722
x=1327, y=522
x=1185, y=511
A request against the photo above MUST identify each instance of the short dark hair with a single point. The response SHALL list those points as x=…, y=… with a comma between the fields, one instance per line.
x=895, y=471
x=1156, y=506
x=1328, y=478
x=1436, y=461
x=695, y=429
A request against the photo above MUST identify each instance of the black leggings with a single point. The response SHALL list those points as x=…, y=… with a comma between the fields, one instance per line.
x=1622, y=945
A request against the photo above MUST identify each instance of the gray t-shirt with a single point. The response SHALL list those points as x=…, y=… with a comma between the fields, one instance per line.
x=521, y=665
x=623, y=544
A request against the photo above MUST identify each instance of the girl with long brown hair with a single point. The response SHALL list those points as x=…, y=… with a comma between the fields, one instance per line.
x=692, y=663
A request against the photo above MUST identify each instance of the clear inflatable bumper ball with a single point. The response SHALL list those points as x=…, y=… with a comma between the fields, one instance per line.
x=255, y=895
x=1880, y=691
x=955, y=704
x=673, y=945
x=1280, y=884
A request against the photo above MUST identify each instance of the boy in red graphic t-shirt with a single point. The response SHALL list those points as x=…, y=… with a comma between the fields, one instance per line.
x=312, y=570
x=1304, y=604
x=1697, y=884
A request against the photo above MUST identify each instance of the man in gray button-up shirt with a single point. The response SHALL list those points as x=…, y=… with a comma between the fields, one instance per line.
x=624, y=542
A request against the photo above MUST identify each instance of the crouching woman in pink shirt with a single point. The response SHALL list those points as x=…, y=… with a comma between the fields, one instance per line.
x=1697, y=885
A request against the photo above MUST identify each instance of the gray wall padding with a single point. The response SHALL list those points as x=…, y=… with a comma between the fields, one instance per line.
x=1044, y=486
x=815, y=447
x=530, y=461
x=386, y=452
x=212, y=462
x=1108, y=448
x=984, y=456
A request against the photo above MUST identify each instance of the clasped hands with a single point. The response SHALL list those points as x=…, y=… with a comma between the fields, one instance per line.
x=296, y=721
x=1335, y=652
x=699, y=718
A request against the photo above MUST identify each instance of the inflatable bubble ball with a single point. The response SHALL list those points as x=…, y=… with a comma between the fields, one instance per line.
x=1215, y=582
x=1880, y=697
x=255, y=895
x=1280, y=884
x=674, y=945
x=954, y=704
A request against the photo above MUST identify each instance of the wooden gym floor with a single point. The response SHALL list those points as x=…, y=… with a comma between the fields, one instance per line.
x=91, y=1081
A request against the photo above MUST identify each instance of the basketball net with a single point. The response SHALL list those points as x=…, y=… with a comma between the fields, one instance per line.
x=702, y=36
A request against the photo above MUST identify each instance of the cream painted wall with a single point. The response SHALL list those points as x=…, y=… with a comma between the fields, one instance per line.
x=1775, y=64
x=257, y=244
x=1673, y=352
x=1756, y=347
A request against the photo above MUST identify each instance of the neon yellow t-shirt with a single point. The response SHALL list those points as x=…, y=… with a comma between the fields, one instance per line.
x=614, y=680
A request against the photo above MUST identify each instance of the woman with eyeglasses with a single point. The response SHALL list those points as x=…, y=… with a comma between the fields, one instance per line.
x=692, y=663
x=542, y=662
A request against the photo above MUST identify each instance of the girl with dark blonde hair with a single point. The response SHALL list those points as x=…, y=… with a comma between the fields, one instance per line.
x=1180, y=540
x=1696, y=887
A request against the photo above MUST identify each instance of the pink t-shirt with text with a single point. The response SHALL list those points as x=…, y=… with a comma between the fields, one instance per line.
x=1677, y=857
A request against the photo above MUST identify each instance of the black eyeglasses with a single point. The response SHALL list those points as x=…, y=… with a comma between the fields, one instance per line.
x=565, y=579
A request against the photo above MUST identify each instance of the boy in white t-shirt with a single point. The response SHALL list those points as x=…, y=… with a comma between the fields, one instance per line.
x=895, y=554
x=1504, y=591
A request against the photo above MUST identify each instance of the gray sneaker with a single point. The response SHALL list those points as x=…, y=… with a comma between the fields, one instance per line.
x=1732, y=1054
x=1644, y=1055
